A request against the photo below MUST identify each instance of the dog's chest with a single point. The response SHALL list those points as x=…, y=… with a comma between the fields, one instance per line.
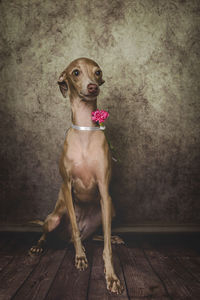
x=82, y=165
x=82, y=173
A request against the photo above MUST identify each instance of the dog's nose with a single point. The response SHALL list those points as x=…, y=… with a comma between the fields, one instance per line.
x=92, y=88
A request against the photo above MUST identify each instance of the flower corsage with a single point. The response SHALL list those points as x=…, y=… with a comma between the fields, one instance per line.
x=99, y=116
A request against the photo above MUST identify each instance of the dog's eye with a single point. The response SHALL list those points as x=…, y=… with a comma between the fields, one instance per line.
x=98, y=72
x=76, y=72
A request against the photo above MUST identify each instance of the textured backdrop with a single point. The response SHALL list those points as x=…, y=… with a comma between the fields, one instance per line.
x=149, y=53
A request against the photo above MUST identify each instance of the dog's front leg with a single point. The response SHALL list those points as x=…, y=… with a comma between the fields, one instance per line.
x=80, y=258
x=112, y=281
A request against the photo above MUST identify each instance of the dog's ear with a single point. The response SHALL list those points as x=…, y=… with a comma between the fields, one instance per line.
x=63, y=85
x=102, y=82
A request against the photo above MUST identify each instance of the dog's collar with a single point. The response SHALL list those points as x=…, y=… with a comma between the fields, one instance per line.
x=88, y=128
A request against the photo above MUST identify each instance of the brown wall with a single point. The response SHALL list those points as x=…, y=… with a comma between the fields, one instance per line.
x=149, y=53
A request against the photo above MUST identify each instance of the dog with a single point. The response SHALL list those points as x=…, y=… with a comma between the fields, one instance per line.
x=85, y=167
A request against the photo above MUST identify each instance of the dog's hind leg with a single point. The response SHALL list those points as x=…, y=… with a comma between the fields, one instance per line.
x=50, y=223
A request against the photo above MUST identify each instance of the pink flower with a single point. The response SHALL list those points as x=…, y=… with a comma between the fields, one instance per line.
x=99, y=115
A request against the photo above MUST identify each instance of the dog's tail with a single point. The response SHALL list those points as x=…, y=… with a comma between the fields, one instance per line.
x=39, y=222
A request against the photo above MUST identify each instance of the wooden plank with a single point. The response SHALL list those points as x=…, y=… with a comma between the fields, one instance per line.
x=173, y=245
x=195, y=267
x=6, y=250
x=69, y=282
x=191, y=265
x=4, y=261
x=179, y=283
x=141, y=281
x=97, y=288
x=16, y=272
x=14, y=246
x=38, y=283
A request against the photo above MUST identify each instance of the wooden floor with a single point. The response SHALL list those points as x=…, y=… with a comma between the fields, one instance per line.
x=150, y=267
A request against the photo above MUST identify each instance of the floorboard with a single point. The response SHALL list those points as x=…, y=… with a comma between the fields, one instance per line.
x=7, y=245
x=97, y=288
x=39, y=281
x=69, y=282
x=17, y=269
x=141, y=280
x=191, y=264
x=179, y=283
x=156, y=267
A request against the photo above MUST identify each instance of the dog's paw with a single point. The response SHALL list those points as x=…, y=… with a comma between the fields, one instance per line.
x=115, y=239
x=114, y=285
x=81, y=262
x=36, y=250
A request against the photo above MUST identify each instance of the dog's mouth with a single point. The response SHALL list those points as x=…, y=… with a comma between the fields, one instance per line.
x=89, y=96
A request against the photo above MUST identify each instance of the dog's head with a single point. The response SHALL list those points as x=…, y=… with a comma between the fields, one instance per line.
x=81, y=78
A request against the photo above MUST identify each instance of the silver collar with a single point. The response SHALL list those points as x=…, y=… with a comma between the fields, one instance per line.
x=88, y=128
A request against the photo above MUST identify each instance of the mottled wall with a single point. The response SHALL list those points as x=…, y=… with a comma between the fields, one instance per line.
x=149, y=53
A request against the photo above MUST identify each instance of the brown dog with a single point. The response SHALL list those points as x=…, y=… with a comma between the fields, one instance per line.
x=85, y=167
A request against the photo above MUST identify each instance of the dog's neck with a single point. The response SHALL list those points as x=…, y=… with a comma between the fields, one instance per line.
x=82, y=112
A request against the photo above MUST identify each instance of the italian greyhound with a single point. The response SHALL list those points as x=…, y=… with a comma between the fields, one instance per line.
x=85, y=166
